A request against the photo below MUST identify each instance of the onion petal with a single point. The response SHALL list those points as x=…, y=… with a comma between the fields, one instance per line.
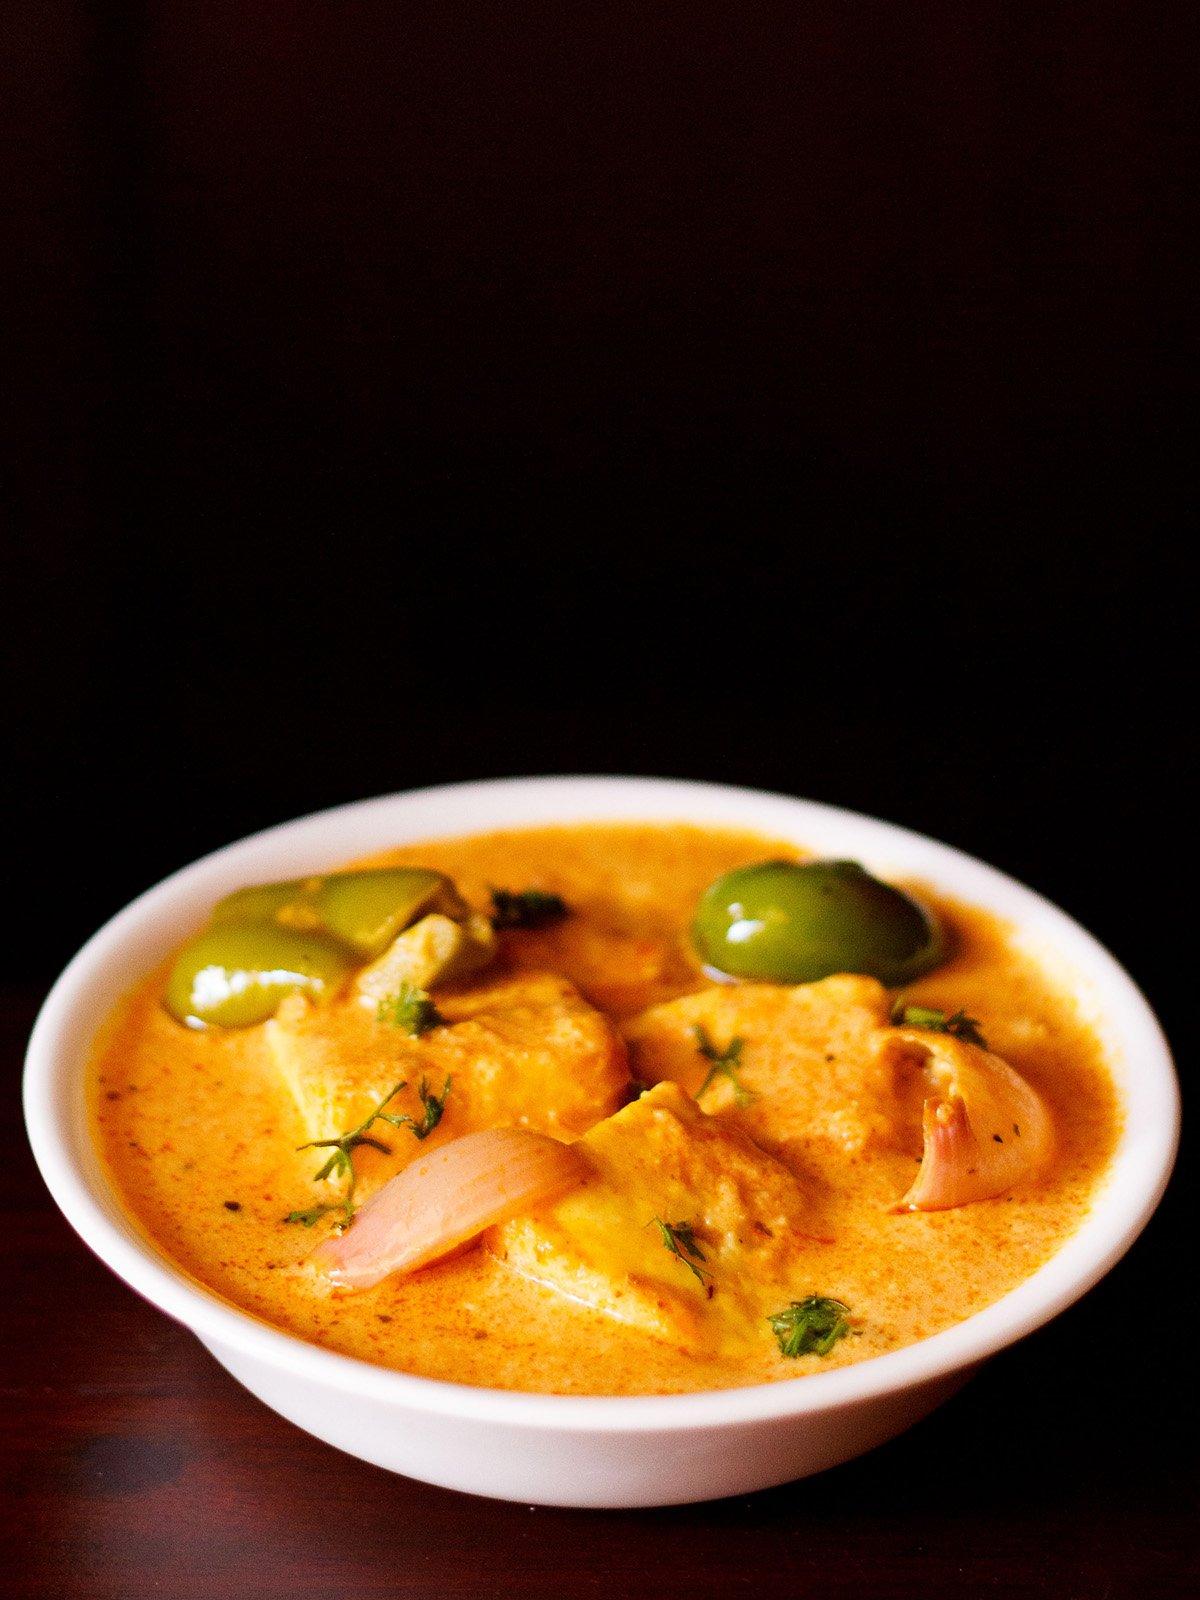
x=984, y=1130
x=444, y=1199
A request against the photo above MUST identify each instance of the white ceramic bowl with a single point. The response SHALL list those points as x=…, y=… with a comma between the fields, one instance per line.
x=584, y=1451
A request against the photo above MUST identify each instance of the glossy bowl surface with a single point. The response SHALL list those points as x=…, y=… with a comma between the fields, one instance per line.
x=591, y=1451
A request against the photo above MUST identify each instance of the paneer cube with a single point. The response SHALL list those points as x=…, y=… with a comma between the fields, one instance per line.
x=808, y=1069
x=665, y=1181
x=524, y=1051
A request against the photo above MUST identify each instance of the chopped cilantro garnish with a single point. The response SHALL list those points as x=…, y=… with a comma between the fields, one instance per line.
x=960, y=1025
x=432, y=1105
x=341, y=1159
x=411, y=1010
x=724, y=1063
x=811, y=1326
x=528, y=908
x=680, y=1239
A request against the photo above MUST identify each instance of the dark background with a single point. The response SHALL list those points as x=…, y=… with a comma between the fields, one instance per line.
x=793, y=395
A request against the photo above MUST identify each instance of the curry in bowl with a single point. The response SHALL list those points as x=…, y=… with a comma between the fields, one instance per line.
x=604, y=1109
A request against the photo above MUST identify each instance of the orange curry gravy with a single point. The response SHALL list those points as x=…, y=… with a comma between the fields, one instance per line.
x=201, y=1138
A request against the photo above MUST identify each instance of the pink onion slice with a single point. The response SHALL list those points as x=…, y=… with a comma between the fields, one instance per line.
x=446, y=1198
x=985, y=1130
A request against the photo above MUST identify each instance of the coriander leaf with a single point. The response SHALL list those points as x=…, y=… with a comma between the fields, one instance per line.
x=307, y=1218
x=725, y=1063
x=960, y=1025
x=411, y=1010
x=529, y=908
x=431, y=1104
x=680, y=1239
x=811, y=1326
x=341, y=1163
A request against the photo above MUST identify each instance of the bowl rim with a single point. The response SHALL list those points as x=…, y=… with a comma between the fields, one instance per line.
x=140, y=935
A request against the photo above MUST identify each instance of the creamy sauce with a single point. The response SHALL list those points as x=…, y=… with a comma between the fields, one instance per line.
x=200, y=1138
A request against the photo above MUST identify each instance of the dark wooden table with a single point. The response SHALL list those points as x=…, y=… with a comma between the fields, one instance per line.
x=134, y=1466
